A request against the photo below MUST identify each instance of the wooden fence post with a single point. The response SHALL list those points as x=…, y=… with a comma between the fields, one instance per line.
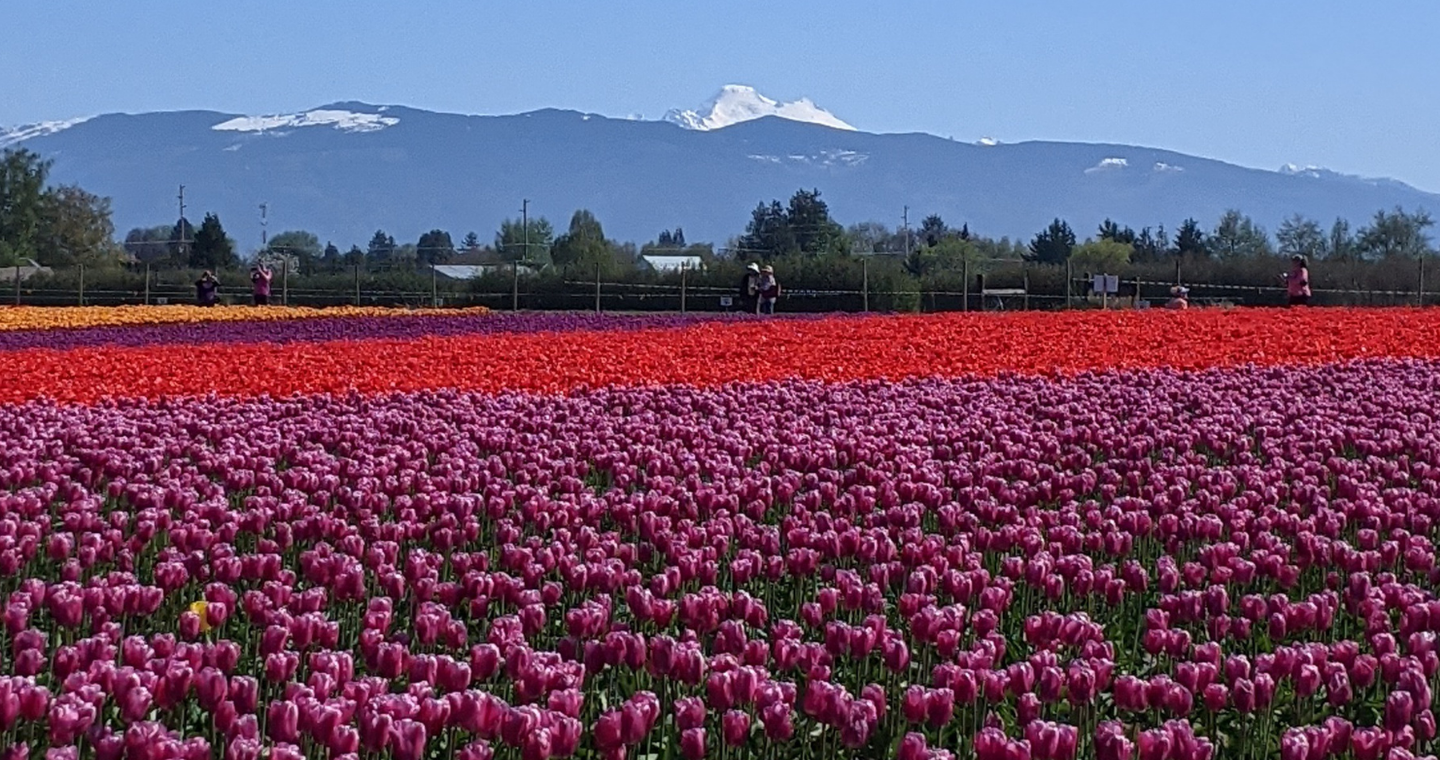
x=865, y=284
x=965, y=285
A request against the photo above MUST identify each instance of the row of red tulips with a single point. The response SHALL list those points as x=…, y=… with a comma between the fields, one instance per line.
x=834, y=349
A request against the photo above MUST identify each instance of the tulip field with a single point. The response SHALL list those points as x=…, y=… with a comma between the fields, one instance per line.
x=362, y=534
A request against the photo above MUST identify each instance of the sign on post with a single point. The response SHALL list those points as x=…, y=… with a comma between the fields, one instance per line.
x=1108, y=284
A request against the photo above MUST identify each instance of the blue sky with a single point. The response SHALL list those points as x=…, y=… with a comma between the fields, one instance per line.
x=1347, y=85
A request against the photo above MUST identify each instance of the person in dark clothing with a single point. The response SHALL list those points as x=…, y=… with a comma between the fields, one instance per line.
x=260, y=281
x=750, y=289
x=206, y=289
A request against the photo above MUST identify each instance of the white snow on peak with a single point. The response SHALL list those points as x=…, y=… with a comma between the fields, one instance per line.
x=346, y=121
x=1295, y=170
x=1161, y=166
x=17, y=135
x=737, y=103
x=1108, y=164
x=988, y=142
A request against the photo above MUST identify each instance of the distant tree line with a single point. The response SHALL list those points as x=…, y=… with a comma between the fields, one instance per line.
x=61, y=226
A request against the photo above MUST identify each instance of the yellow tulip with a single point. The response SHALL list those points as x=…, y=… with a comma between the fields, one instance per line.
x=60, y=317
x=199, y=609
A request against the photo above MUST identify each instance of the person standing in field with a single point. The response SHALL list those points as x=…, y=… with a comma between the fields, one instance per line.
x=206, y=289
x=769, y=288
x=260, y=281
x=750, y=289
x=1297, y=282
x=1179, y=298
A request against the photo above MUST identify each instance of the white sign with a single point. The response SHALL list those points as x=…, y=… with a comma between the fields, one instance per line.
x=726, y=302
x=1106, y=283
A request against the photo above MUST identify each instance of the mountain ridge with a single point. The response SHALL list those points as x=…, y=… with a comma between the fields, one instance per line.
x=407, y=170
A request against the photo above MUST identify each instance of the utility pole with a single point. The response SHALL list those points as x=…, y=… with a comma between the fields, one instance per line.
x=181, y=223
x=525, y=236
x=905, y=219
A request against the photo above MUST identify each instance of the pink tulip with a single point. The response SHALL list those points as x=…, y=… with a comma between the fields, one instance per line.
x=736, y=727
x=692, y=743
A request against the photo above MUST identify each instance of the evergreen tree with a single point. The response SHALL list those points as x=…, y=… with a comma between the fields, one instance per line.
x=768, y=235
x=515, y=244
x=1341, y=245
x=809, y=220
x=332, y=260
x=471, y=243
x=1053, y=245
x=354, y=257
x=182, y=239
x=1190, y=240
x=433, y=248
x=1150, y=246
x=933, y=230
x=212, y=248
x=1109, y=230
x=381, y=249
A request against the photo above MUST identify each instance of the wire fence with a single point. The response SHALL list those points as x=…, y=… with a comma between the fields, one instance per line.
x=1014, y=288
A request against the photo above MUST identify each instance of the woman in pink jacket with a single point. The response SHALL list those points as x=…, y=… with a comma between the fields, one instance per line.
x=1297, y=282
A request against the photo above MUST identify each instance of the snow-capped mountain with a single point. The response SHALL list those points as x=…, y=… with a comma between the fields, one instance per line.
x=336, y=117
x=344, y=170
x=738, y=103
x=16, y=135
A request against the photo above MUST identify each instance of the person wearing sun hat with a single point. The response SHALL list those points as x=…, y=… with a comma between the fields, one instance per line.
x=1179, y=298
x=750, y=289
x=769, y=289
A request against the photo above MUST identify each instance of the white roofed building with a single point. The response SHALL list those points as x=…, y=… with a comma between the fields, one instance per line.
x=666, y=264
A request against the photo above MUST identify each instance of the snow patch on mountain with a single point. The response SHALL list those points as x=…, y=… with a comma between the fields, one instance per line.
x=1109, y=164
x=988, y=142
x=1313, y=172
x=739, y=103
x=345, y=121
x=1320, y=172
x=17, y=135
x=828, y=158
x=1161, y=166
